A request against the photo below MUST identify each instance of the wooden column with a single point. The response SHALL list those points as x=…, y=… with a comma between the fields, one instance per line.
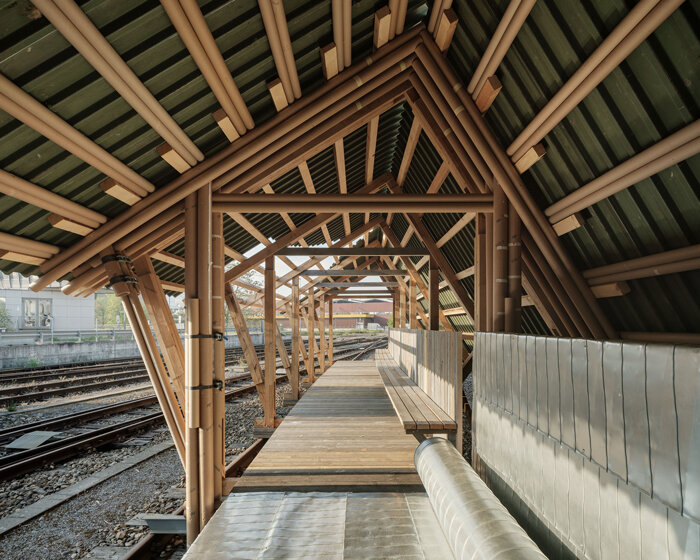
x=488, y=258
x=311, y=329
x=480, y=292
x=434, y=303
x=500, y=258
x=206, y=356
x=173, y=413
x=412, y=305
x=219, y=328
x=402, y=308
x=330, y=331
x=513, y=302
x=163, y=323
x=322, y=334
x=245, y=341
x=395, y=309
x=270, y=341
x=282, y=351
x=192, y=501
x=296, y=339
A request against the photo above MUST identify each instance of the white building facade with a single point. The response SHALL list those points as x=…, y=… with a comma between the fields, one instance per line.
x=32, y=311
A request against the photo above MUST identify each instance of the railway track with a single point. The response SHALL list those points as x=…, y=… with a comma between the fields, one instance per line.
x=79, y=379
x=15, y=464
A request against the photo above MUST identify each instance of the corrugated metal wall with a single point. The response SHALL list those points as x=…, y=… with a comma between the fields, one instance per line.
x=593, y=446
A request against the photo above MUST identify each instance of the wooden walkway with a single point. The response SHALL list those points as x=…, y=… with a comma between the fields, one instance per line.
x=343, y=435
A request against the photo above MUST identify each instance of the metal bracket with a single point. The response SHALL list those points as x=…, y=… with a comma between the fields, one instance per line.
x=116, y=257
x=217, y=336
x=122, y=278
x=218, y=384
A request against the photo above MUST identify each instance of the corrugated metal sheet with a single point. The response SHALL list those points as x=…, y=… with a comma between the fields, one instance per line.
x=653, y=93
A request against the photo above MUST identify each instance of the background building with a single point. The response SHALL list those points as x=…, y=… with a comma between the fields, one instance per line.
x=28, y=310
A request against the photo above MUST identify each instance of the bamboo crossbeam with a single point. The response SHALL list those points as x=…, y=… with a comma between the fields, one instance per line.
x=376, y=203
x=352, y=251
x=357, y=284
x=369, y=272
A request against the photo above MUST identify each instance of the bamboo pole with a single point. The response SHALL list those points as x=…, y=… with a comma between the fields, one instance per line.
x=270, y=342
x=330, y=331
x=206, y=377
x=322, y=334
x=311, y=336
x=514, y=317
x=218, y=326
x=480, y=276
x=434, y=297
x=192, y=364
x=296, y=339
x=500, y=257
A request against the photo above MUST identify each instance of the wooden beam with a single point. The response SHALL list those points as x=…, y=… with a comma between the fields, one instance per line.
x=322, y=334
x=455, y=229
x=357, y=272
x=411, y=143
x=352, y=251
x=329, y=61
x=442, y=263
x=296, y=339
x=613, y=289
x=279, y=98
x=380, y=203
x=412, y=306
x=65, y=224
x=568, y=224
x=170, y=258
x=226, y=125
x=173, y=158
x=112, y=188
x=529, y=158
x=382, y=26
x=434, y=300
x=330, y=331
x=446, y=29
x=437, y=182
x=306, y=177
x=371, y=148
x=245, y=340
x=488, y=93
x=311, y=337
x=270, y=342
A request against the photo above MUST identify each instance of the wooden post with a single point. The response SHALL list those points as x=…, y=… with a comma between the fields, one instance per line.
x=322, y=334
x=191, y=372
x=163, y=323
x=245, y=341
x=270, y=341
x=296, y=339
x=330, y=331
x=219, y=327
x=394, y=309
x=488, y=257
x=206, y=353
x=434, y=288
x=480, y=295
x=282, y=350
x=513, y=320
x=413, y=305
x=500, y=257
x=311, y=329
x=402, y=308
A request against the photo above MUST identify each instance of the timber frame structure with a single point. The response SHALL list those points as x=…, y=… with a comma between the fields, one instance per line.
x=423, y=143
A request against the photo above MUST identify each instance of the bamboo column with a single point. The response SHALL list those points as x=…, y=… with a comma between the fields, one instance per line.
x=219, y=327
x=296, y=339
x=500, y=257
x=191, y=372
x=322, y=334
x=513, y=302
x=117, y=269
x=488, y=259
x=480, y=292
x=412, y=305
x=270, y=341
x=206, y=353
x=311, y=336
x=434, y=292
x=330, y=331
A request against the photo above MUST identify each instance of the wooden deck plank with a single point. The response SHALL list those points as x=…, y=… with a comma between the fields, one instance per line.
x=344, y=428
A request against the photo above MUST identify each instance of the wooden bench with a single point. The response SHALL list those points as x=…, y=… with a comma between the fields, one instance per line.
x=418, y=413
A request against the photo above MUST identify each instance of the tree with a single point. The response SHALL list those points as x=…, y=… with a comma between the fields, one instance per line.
x=5, y=318
x=107, y=308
